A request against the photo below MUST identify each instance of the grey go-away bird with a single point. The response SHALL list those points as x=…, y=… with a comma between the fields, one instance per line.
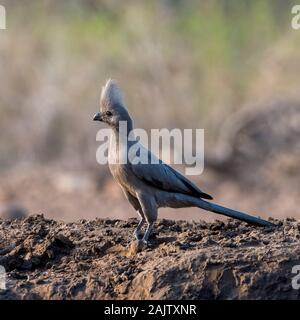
x=153, y=185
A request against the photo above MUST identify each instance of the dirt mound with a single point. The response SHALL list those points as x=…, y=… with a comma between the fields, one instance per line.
x=265, y=140
x=47, y=259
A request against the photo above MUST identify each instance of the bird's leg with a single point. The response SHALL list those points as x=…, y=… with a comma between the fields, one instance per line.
x=149, y=209
x=137, y=231
x=135, y=203
x=148, y=232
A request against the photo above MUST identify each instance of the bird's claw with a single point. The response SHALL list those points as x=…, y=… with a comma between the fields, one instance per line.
x=146, y=243
x=137, y=236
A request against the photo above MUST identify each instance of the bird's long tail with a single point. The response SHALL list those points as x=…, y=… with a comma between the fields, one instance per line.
x=233, y=214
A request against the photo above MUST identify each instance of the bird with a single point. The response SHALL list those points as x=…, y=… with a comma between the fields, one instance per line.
x=150, y=186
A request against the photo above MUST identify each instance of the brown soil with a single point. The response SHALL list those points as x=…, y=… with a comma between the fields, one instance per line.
x=47, y=259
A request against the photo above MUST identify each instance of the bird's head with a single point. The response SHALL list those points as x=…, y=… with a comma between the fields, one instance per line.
x=112, y=106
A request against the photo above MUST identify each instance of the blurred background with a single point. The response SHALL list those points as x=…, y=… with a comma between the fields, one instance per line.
x=231, y=67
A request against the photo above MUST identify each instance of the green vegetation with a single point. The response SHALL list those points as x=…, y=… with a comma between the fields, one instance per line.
x=206, y=58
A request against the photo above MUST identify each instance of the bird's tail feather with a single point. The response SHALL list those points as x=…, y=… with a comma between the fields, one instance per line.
x=234, y=214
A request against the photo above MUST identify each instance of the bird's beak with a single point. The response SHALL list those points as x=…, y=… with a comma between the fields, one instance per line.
x=97, y=117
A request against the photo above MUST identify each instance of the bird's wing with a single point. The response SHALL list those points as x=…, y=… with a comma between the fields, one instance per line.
x=164, y=177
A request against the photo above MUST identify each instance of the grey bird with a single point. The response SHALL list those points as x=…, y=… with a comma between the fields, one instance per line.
x=153, y=185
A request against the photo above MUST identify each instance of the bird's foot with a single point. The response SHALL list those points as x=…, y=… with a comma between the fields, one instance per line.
x=145, y=243
x=137, y=235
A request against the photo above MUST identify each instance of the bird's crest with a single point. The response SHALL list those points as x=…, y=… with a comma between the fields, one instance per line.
x=111, y=95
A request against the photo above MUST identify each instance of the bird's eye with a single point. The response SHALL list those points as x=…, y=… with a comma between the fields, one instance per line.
x=108, y=113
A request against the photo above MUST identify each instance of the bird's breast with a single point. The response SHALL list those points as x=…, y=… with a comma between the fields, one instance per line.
x=123, y=175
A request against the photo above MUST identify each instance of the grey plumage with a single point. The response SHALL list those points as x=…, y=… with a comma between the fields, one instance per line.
x=151, y=186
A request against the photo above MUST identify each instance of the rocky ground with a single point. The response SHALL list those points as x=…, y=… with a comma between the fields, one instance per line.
x=47, y=259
